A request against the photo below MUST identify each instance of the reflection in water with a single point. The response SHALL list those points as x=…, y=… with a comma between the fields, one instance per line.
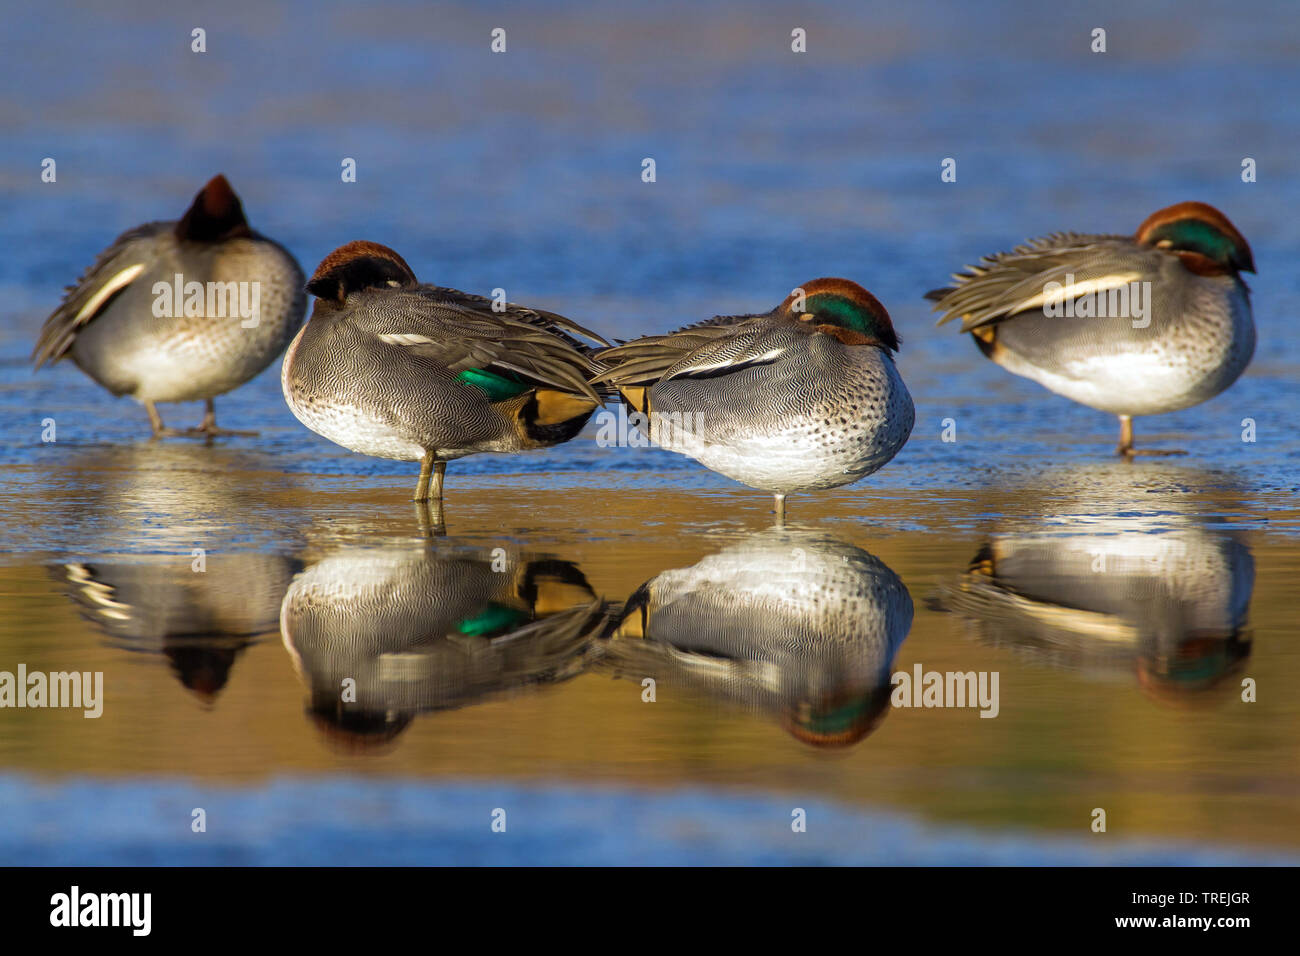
x=430, y=629
x=1116, y=594
x=792, y=624
x=200, y=620
x=158, y=497
x=167, y=500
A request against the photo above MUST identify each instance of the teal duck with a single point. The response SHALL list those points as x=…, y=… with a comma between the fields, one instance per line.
x=160, y=314
x=803, y=397
x=1131, y=325
x=389, y=367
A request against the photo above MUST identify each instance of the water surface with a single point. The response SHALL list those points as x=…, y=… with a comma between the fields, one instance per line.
x=502, y=663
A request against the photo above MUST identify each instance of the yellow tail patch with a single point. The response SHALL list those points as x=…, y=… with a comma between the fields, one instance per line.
x=555, y=408
x=555, y=595
x=638, y=396
x=632, y=626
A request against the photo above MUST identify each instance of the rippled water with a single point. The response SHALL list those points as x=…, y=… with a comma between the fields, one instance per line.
x=502, y=664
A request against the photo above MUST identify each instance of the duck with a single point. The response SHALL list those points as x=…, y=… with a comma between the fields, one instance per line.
x=803, y=397
x=1163, y=599
x=138, y=320
x=1131, y=325
x=389, y=367
x=430, y=629
x=789, y=623
x=199, y=623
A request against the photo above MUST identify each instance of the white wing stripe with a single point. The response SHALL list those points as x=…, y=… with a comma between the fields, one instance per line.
x=108, y=290
x=407, y=339
x=768, y=356
x=1075, y=289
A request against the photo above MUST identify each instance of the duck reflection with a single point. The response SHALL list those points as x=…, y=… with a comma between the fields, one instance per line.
x=424, y=629
x=795, y=625
x=154, y=498
x=200, y=615
x=1163, y=597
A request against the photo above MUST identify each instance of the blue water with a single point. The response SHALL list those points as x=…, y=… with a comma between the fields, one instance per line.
x=523, y=171
x=348, y=822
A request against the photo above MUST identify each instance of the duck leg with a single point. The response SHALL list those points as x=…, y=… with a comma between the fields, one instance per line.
x=429, y=487
x=1125, y=447
x=208, y=427
x=156, y=422
x=778, y=508
x=429, y=516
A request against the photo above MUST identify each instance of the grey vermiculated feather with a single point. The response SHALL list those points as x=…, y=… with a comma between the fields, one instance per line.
x=460, y=338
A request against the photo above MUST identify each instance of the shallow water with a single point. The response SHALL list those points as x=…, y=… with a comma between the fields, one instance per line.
x=1121, y=605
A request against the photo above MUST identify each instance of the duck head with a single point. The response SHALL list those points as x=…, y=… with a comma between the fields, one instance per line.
x=1201, y=236
x=843, y=309
x=355, y=731
x=215, y=214
x=839, y=720
x=356, y=266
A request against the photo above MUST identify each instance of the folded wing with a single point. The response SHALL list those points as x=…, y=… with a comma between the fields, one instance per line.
x=521, y=345
x=712, y=347
x=117, y=267
x=1042, y=272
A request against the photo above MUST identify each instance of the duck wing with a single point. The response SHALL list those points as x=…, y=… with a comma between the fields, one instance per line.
x=557, y=324
x=1009, y=283
x=461, y=338
x=715, y=345
x=114, y=269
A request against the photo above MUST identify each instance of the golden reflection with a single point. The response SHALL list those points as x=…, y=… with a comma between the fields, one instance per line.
x=200, y=613
x=796, y=625
x=1159, y=595
x=380, y=635
x=171, y=497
